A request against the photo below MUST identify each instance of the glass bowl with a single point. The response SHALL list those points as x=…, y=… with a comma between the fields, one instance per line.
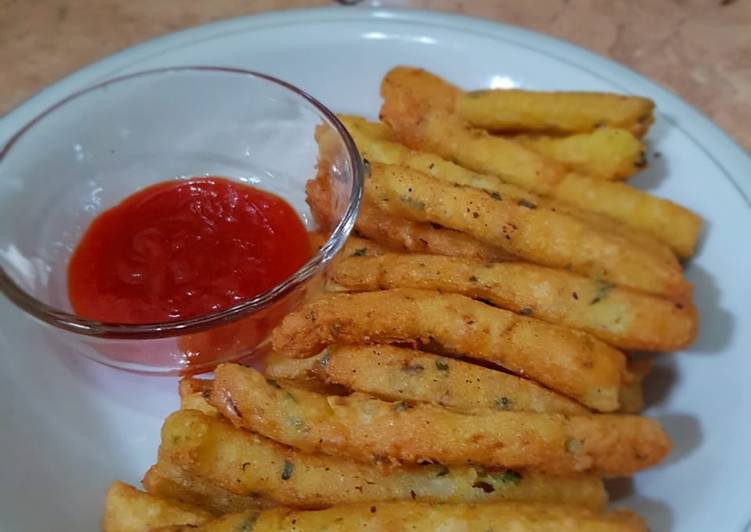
x=98, y=146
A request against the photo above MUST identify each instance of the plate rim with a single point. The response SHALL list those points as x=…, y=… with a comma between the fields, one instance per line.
x=716, y=144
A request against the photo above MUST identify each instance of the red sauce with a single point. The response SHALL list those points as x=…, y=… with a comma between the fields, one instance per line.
x=182, y=249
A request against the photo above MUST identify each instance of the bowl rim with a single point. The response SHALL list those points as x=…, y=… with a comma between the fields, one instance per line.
x=76, y=324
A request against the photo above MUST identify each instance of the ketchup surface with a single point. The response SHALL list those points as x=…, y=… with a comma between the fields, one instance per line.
x=183, y=249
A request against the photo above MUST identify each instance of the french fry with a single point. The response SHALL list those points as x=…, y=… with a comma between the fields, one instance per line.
x=435, y=129
x=268, y=521
x=365, y=429
x=608, y=153
x=194, y=394
x=621, y=317
x=356, y=246
x=525, y=230
x=128, y=510
x=399, y=374
x=567, y=361
x=421, y=517
x=280, y=366
x=376, y=130
x=425, y=89
x=386, y=152
x=245, y=464
x=167, y=481
x=408, y=235
x=557, y=112
x=669, y=222
x=632, y=393
x=299, y=373
x=400, y=233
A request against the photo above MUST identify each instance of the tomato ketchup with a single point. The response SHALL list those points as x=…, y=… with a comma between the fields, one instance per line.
x=182, y=249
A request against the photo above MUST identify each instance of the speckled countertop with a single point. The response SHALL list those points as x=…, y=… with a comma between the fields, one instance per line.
x=700, y=49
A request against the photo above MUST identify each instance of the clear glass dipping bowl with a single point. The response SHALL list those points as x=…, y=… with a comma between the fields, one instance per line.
x=98, y=146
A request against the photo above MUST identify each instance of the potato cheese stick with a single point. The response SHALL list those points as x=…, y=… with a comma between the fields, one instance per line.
x=376, y=130
x=170, y=482
x=422, y=517
x=365, y=428
x=609, y=153
x=669, y=222
x=356, y=246
x=621, y=317
x=557, y=112
x=401, y=233
x=632, y=393
x=128, y=510
x=193, y=395
x=534, y=234
x=421, y=237
x=380, y=150
x=422, y=125
x=567, y=361
x=399, y=374
x=246, y=464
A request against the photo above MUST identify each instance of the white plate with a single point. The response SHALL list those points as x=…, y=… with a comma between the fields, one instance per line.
x=69, y=427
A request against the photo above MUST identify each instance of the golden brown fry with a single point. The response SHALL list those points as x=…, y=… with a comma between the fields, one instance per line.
x=609, y=153
x=361, y=247
x=282, y=367
x=245, y=464
x=669, y=222
x=399, y=374
x=128, y=510
x=621, y=317
x=401, y=233
x=632, y=393
x=421, y=517
x=417, y=113
x=557, y=112
x=425, y=89
x=417, y=237
x=420, y=126
x=383, y=151
x=194, y=394
x=365, y=429
x=299, y=373
x=170, y=482
x=524, y=229
x=567, y=361
x=376, y=130
x=317, y=195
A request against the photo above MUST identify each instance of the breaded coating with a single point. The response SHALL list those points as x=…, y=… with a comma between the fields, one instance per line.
x=609, y=153
x=632, y=393
x=531, y=232
x=400, y=374
x=565, y=360
x=128, y=510
x=170, y=482
x=401, y=233
x=367, y=429
x=380, y=150
x=421, y=517
x=376, y=130
x=420, y=237
x=194, y=394
x=422, y=124
x=624, y=318
x=247, y=464
x=555, y=111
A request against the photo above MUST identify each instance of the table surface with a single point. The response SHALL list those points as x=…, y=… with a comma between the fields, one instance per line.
x=700, y=49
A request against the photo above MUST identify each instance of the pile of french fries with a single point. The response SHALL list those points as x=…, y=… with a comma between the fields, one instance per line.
x=469, y=365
